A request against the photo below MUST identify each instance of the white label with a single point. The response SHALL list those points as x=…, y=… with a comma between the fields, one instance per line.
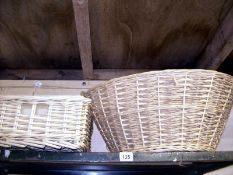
x=126, y=156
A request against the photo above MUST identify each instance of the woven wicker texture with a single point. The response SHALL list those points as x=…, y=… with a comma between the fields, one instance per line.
x=56, y=122
x=163, y=110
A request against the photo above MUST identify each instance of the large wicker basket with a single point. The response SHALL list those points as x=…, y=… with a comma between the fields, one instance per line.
x=57, y=122
x=182, y=110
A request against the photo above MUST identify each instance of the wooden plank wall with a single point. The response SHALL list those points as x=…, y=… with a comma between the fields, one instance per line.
x=125, y=33
x=221, y=45
x=64, y=74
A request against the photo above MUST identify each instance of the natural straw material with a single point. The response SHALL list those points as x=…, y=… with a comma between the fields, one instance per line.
x=45, y=121
x=163, y=110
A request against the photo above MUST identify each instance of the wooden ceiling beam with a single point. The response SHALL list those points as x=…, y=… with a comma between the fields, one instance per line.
x=81, y=14
x=220, y=46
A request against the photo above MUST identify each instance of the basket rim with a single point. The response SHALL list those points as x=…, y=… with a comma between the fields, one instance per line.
x=156, y=71
x=45, y=97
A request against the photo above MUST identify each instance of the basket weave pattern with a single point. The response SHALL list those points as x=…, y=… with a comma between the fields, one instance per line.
x=163, y=110
x=45, y=121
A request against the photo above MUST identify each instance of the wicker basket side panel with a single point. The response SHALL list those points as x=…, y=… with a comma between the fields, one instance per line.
x=120, y=104
x=217, y=110
x=147, y=115
x=70, y=119
x=101, y=112
x=44, y=122
x=178, y=105
x=184, y=106
x=163, y=110
x=139, y=117
x=9, y=120
x=84, y=127
x=117, y=121
x=171, y=101
x=197, y=98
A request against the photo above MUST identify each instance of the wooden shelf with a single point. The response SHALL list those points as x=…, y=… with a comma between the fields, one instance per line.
x=29, y=161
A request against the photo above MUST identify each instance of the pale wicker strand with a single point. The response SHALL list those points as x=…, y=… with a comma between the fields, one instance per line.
x=102, y=107
x=139, y=115
x=47, y=128
x=160, y=127
x=220, y=117
x=16, y=117
x=107, y=122
x=122, y=127
x=204, y=112
x=183, y=111
x=2, y=114
x=64, y=120
x=31, y=118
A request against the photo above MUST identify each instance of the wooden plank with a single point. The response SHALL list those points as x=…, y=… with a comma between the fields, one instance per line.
x=124, y=34
x=220, y=46
x=81, y=14
x=48, y=87
x=64, y=74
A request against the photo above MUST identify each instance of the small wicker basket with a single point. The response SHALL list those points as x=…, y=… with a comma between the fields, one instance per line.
x=170, y=110
x=57, y=122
